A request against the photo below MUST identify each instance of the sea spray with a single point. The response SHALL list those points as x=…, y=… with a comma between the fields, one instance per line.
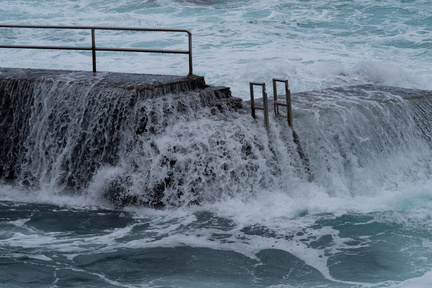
x=202, y=146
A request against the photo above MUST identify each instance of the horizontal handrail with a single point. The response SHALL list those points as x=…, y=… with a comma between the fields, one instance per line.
x=93, y=46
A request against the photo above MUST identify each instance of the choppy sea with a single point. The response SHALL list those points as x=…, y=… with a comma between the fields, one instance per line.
x=363, y=220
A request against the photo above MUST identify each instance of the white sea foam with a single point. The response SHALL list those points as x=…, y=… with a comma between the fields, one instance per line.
x=315, y=44
x=417, y=282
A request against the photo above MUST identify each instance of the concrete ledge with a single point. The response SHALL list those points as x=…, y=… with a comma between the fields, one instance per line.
x=128, y=81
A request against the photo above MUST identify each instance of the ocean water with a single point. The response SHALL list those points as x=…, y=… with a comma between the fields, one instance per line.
x=359, y=216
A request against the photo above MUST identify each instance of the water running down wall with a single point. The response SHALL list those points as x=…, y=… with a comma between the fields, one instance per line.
x=174, y=142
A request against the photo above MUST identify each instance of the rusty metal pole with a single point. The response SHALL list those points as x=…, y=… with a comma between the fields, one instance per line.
x=252, y=100
x=288, y=102
x=190, y=54
x=266, y=112
x=275, y=97
x=265, y=102
x=93, y=49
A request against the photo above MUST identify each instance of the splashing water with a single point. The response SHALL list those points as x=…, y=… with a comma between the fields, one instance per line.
x=361, y=220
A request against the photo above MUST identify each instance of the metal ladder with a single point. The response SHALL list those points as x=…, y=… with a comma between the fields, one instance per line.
x=277, y=103
x=303, y=156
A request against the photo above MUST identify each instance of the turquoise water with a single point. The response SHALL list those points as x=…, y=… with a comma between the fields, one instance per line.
x=50, y=246
x=363, y=221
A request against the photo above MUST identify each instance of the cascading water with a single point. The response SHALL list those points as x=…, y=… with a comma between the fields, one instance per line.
x=363, y=137
x=179, y=148
x=56, y=132
x=168, y=148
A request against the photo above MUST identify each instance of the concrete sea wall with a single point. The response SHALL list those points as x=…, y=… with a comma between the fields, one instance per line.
x=57, y=128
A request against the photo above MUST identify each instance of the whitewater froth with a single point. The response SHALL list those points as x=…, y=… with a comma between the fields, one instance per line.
x=175, y=146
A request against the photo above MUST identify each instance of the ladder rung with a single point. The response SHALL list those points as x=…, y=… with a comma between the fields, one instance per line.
x=281, y=103
x=280, y=80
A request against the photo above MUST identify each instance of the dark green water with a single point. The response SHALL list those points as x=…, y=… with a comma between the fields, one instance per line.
x=55, y=246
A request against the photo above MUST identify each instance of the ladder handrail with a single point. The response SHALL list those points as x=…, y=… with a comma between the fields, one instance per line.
x=287, y=100
x=265, y=102
x=303, y=156
x=93, y=46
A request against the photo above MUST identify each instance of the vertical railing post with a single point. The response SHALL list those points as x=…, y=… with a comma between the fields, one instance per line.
x=93, y=49
x=275, y=97
x=288, y=102
x=266, y=113
x=252, y=101
x=190, y=53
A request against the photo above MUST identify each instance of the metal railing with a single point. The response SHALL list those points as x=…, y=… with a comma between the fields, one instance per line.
x=93, y=48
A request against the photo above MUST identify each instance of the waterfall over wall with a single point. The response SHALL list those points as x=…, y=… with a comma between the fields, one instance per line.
x=363, y=138
x=169, y=141
x=59, y=127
